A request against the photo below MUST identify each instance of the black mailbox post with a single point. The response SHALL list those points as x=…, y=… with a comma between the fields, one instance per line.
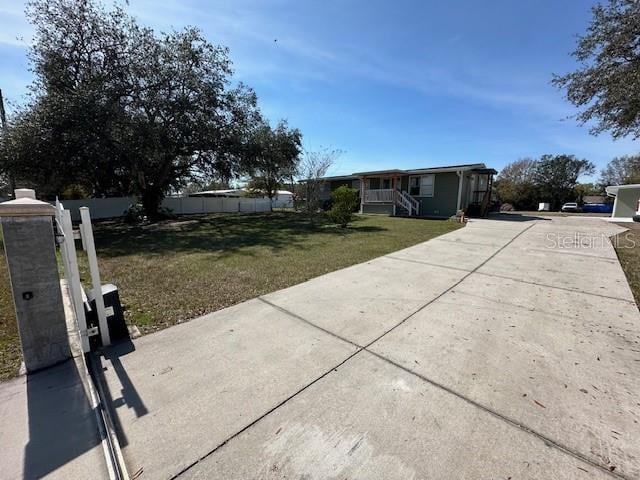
x=114, y=313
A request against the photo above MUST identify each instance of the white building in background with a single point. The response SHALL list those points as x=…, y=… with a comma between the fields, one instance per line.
x=625, y=205
x=283, y=199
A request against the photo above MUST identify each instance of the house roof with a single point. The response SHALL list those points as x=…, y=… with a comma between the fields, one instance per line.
x=479, y=167
x=451, y=168
x=340, y=177
x=379, y=172
x=612, y=190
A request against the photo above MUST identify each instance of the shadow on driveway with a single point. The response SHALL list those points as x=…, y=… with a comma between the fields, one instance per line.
x=62, y=423
x=128, y=396
x=516, y=217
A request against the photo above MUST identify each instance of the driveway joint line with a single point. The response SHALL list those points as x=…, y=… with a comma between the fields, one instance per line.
x=518, y=306
x=265, y=414
x=447, y=290
x=497, y=275
x=420, y=262
x=464, y=242
x=308, y=322
x=334, y=368
x=570, y=252
x=500, y=416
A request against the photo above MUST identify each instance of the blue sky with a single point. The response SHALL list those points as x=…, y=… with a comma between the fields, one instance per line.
x=393, y=84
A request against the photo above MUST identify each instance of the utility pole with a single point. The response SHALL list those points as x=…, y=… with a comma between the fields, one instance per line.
x=4, y=126
x=3, y=117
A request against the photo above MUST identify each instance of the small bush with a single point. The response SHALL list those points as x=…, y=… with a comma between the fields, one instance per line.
x=344, y=202
x=74, y=192
x=134, y=214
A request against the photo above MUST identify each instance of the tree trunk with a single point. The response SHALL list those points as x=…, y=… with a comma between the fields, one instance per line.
x=151, y=201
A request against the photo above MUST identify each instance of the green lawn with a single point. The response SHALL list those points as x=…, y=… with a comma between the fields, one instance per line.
x=176, y=270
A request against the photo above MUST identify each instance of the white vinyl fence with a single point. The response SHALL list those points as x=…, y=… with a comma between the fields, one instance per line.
x=115, y=206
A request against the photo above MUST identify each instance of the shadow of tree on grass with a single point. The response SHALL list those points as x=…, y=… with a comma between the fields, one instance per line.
x=222, y=233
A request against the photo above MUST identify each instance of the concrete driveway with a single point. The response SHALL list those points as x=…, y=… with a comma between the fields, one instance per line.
x=507, y=349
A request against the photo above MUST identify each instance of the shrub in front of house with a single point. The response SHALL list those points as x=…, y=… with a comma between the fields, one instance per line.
x=344, y=201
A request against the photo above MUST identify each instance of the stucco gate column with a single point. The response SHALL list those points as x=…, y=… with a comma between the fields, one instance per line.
x=29, y=243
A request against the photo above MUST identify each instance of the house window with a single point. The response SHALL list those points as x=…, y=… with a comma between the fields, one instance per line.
x=421, y=186
x=414, y=186
x=426, y=186
x=386, y=183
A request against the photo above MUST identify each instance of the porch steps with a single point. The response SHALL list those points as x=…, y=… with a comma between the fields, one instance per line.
x=401, y=211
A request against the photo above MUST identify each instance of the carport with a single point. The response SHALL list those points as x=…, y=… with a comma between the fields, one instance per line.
x=625, y=204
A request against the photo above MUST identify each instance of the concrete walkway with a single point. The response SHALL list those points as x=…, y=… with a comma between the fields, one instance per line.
x=507, y=349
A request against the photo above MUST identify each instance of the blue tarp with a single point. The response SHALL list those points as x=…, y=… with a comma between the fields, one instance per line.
x=597, y=207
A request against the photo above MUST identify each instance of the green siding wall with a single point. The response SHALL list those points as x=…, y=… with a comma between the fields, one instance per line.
x=338, y=183
x=445, y=197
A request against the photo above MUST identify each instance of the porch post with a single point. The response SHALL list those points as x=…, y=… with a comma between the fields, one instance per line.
x=362, y=180
x=460, y=181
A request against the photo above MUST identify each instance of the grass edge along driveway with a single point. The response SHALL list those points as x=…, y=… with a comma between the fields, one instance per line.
x=627, y=245
x=176, y=270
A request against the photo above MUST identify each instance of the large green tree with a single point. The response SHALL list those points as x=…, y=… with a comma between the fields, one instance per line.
x=515, y=184
x=606, y=86
x=121, y=109
x=273, y=156
x=556, y=177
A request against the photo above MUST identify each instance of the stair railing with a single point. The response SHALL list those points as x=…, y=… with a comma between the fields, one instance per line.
x=407, y=202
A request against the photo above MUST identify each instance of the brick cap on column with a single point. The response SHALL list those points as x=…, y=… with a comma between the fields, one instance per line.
x=26, y=207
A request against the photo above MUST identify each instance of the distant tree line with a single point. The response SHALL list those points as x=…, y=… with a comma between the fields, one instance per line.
x=119, y=109
x=554, y=179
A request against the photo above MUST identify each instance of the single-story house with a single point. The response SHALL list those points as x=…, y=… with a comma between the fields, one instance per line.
x=283, y=198
x=626, y=200
x=426, y=192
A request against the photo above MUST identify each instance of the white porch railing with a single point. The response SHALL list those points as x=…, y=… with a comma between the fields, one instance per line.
x=382, y=196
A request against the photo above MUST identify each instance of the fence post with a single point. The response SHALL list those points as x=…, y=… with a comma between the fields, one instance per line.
x=87, y=233
x=29, y=243
x=73, y=277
